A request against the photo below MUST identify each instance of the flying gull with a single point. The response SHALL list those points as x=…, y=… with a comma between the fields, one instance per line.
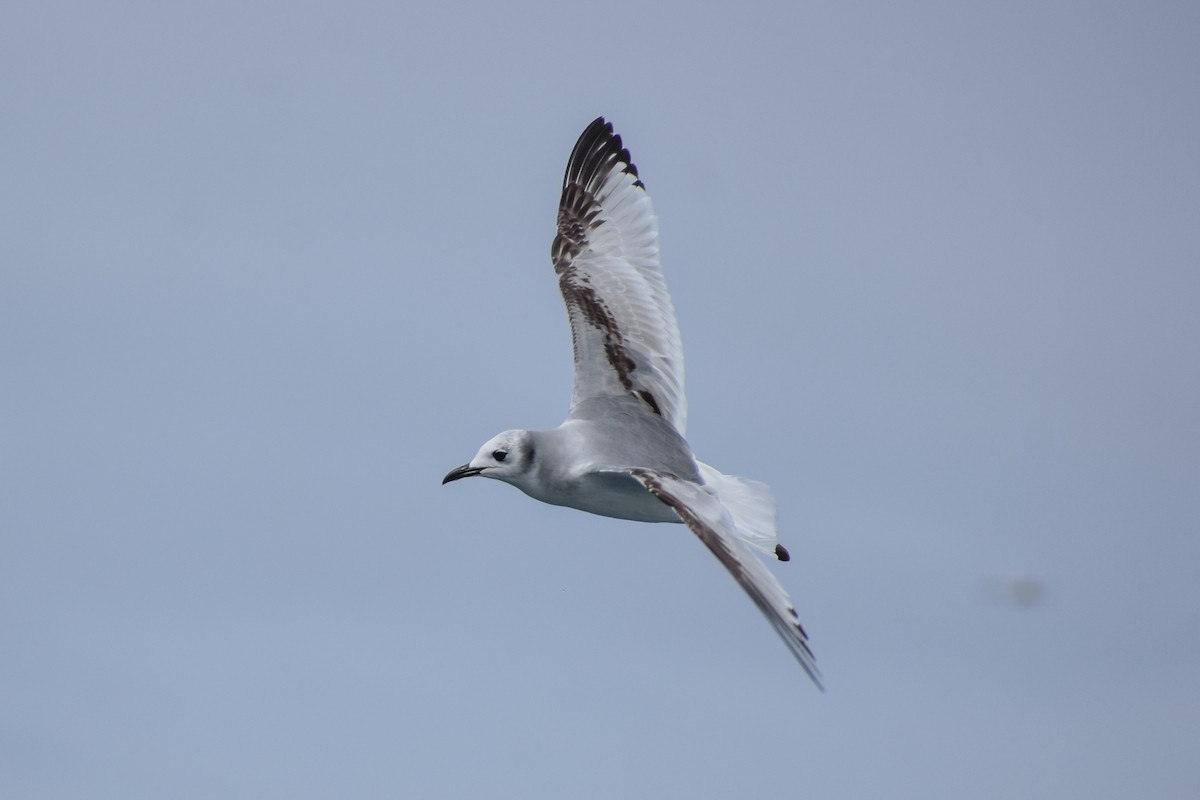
x=621, y=451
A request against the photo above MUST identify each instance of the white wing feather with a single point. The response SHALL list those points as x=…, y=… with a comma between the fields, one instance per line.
x=701, y=511
x=606, y=257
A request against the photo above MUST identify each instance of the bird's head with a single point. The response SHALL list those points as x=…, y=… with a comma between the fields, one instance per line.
x=506, y=456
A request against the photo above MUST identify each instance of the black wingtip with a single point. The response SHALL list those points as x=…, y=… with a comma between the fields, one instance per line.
x=595, y=147
x=782, y=554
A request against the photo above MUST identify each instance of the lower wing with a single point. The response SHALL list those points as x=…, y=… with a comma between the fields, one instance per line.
x=708, y=519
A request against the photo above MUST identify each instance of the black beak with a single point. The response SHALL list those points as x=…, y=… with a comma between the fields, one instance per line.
x=465, y=471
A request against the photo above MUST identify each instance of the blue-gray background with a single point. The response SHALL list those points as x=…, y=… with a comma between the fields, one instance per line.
x=268, y=270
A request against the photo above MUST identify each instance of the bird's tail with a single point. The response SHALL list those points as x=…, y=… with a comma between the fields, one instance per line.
x=752, y=506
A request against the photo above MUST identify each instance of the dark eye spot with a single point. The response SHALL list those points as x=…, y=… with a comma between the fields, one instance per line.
x=499, y=455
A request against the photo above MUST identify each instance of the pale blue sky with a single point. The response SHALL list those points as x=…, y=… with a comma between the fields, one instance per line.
x=268, y=270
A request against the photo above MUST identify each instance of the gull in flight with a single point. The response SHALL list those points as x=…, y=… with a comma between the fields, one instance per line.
x=621, y=451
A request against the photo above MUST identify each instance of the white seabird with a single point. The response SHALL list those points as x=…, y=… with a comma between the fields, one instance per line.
x=621, y=451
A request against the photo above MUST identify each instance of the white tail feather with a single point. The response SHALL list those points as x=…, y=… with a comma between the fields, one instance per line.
x=752, y=506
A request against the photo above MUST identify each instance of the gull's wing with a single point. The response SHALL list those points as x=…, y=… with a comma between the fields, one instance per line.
x=709, y=520
x=606, y=256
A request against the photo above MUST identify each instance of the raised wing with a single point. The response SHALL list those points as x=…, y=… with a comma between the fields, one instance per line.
x=606, y=256
x=709, y=520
